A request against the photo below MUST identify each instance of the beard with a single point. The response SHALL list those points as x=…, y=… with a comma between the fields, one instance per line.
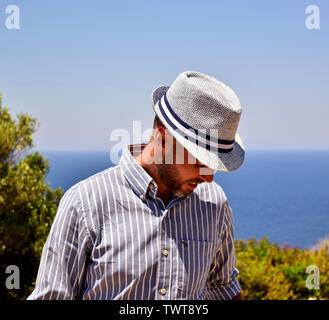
x=169, y=177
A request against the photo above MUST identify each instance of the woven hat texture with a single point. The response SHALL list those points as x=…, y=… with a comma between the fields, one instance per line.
x=203, y=114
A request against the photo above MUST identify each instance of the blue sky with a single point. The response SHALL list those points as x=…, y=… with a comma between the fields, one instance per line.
x=85, y=68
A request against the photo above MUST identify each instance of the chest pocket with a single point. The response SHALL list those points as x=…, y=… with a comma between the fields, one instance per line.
x=195, y=259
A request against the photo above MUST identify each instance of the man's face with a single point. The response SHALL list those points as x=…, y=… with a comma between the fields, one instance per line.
x=182, y=173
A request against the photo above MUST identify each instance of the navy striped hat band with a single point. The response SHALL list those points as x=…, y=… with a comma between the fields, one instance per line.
x=196, y=136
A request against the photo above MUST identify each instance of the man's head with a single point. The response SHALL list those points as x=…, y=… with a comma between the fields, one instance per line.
x=178, y=170
x=202, y=114
x=195, y=132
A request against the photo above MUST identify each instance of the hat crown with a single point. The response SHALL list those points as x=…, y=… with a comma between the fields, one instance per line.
x=205, y=103
x=202, y=114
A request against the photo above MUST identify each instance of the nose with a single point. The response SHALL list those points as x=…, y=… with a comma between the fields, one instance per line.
x=206, y=174
x=207, y=178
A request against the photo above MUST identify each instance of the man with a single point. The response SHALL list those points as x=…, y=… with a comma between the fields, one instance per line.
x=155, y=226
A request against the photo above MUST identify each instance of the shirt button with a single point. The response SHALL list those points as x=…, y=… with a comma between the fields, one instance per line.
x=163, y=291
x=165, y=252
x=141, y=197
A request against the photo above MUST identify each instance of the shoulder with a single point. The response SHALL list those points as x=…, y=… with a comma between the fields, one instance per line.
x=93, y=197
x=91, y=193
x=96, y=183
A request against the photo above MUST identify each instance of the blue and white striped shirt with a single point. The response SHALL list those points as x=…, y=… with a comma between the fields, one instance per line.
x=113, y=238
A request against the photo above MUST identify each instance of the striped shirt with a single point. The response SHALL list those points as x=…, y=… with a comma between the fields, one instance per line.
x=113, y=238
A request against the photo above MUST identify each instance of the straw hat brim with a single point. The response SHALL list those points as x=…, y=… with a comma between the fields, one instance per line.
x=225, y=162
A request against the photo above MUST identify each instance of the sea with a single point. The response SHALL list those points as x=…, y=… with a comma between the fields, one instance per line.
x=282, y=195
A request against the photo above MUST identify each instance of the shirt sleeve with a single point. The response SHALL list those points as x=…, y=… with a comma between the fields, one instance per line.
x=64, y=255
x=222, y=282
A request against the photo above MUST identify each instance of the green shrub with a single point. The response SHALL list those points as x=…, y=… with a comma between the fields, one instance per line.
x=270, y=272
x=27, y=204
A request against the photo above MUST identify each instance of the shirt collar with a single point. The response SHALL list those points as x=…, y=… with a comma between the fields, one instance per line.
x=141, y=182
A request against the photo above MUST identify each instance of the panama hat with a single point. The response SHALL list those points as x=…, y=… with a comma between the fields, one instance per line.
x=202, y=114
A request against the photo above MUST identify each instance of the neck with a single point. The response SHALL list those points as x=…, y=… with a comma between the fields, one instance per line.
x=145, y=160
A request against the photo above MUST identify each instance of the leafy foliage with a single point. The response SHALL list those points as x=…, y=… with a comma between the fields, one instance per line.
x=27, y=204
x=270, y=272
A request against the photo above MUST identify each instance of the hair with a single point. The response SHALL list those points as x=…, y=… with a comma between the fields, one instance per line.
x=157, y=123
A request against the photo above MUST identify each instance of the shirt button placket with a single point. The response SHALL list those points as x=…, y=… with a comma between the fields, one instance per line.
x=164, y=262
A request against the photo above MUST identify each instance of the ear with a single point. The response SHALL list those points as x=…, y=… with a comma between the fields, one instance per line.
x=158, y=144
x=161, y=135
